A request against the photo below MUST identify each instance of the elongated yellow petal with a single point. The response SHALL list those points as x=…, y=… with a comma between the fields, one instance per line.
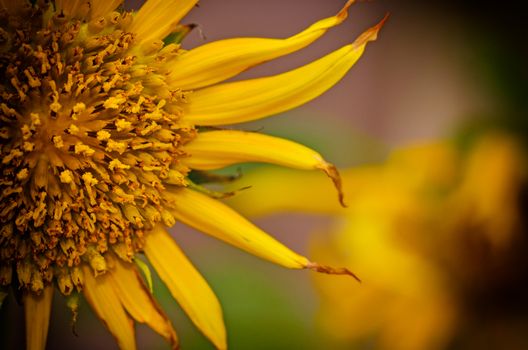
x=247, y=100
x=37, y=310
x=103, y=7
x=186, y=284
x=223, y=59
x=103, y=299
x=218, y=220
x=158, y=18
x=138, y=301
x=217, y=149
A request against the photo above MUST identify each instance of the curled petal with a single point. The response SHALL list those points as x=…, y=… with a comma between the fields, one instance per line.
x=248, y=100
x=220, y=60
x=218, y=149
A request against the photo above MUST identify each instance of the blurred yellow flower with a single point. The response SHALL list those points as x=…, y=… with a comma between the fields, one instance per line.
x=104, y=119
x=435, y=235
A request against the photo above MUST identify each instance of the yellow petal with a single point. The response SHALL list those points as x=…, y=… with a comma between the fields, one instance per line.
x=101, y=8
x=158, y=18
x=247, y=100
x=37, y=310
x=217, y=149
x=103, y=299
x=138, y=301
x=223, y=59
x=218, y=220
x=186, y=284
x=273, y=190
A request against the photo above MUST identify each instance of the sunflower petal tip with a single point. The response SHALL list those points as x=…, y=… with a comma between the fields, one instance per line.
x=331, y=171
x=221, y=346
x=343, y=13
x=331, y=270
x=371, y=34
x=174, y=342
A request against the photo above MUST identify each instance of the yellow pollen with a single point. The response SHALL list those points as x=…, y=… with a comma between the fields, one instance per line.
x=66, y=176
x=32, y=79
x=114, y=102
x=79, y=107
x=137, y=107
x=35, y=119
x=28, y=146
x=89, y=179
x=119, y=147
x=150, y=128
x=55, y=106
x=116, y=164
x=156, y=115
x=83, y=149
x=15, y=153
x=103, y=135
x=73, y=129
x=26, y=132
x=58, y=142
x=23, y=174
x=122, y=124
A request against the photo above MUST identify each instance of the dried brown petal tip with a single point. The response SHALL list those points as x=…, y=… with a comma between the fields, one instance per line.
x=372, y=33
x=343, y=14
x=331, y=270
x=331, y=171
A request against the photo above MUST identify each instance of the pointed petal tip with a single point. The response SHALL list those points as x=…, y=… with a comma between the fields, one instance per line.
x=174, y=342
x=331, y=270
x=371, y=34
x=331, y=171
x=221, y=346
x=343, y=13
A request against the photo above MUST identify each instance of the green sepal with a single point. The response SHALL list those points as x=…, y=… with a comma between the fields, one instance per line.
x=145, y=269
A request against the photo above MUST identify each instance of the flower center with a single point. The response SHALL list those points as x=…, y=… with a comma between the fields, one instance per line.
x=89, y=137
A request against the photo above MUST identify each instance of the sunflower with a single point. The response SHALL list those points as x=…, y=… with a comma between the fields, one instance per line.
x=104, y=121
x=438, y=234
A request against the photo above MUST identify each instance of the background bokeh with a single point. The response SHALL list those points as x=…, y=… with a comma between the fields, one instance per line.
x=437, y=67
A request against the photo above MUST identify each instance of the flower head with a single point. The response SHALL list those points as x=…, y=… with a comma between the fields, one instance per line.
x=99, y=133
